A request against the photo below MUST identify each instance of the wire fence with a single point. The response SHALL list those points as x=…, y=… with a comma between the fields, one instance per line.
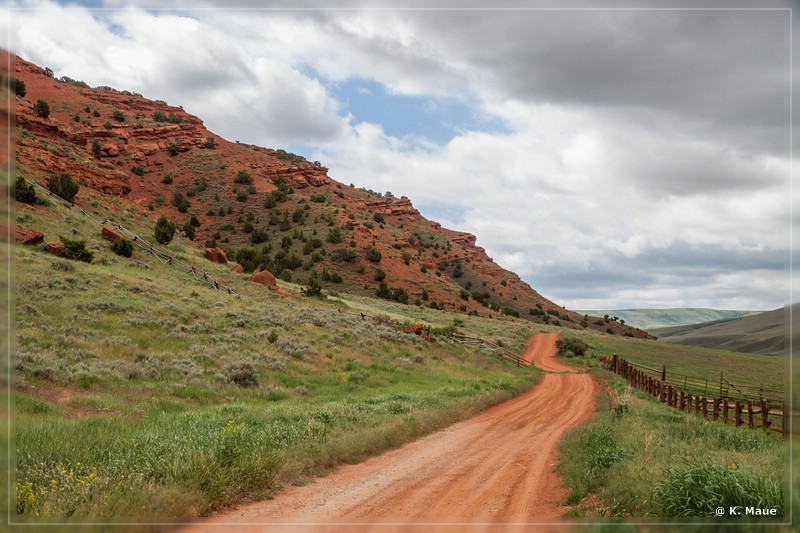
x=497, y=349
x=722, y=387
x=143, y=244
x=715, y=403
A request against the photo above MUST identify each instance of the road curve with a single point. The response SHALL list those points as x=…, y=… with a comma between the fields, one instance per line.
x=495, y=468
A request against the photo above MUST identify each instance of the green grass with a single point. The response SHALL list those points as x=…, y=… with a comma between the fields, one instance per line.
x=124, y=401
x=640, y=458
x=750, y=370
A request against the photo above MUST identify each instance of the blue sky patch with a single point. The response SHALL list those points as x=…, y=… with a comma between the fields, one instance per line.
x=436, y=119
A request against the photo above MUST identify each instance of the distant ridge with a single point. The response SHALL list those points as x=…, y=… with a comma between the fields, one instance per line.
x=660, y=318
x=762, y=333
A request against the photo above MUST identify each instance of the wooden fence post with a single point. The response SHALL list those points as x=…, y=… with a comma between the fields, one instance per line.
x=725, y=410
x=738, y=413
x=663, y=372
x=720, y=385
x=705, y=408
x=785, y=428
x=750, y=413
x=669, y=395
x=764, y=414
x=716, y=409
x=683, y=401
x=689, y=400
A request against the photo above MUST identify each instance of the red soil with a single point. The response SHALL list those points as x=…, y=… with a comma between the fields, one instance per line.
x=492, y=471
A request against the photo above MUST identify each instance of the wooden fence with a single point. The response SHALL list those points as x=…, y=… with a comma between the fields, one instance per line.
x=752, y=412
x=497, y=349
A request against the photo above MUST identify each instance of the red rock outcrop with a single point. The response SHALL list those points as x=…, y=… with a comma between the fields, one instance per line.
x=216, y=255
x=27, y=236
x=111, y=235
x=391, y=206
x=55, y=248
x=264, y=278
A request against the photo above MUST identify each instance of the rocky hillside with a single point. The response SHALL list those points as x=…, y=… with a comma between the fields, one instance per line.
x=263, y=208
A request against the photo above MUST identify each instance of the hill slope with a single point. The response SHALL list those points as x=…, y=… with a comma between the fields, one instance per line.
x=265, y=208
x=662, y=318
x=762, y=333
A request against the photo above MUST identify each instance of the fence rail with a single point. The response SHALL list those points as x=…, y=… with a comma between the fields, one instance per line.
x=761, y=412
x=167, y=259
x=499, y=350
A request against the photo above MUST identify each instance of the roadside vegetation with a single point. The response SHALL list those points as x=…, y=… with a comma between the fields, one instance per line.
x=640, y=458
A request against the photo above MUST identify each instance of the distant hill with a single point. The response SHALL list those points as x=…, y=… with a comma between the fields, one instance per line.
x=762, y=333
x=660, y=318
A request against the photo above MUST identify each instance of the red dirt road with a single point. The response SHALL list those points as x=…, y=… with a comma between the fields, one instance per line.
x=495, y=468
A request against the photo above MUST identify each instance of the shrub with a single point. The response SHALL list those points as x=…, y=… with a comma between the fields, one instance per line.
x=42, y=108
x=138, y=170
x=188, y=230
x=259, y=235
x=76, y=250
x=571, y=344
x=248, y=258
x=242, y=374
x=343, y=255
x=24, y=192
x=122, y=247
x=97, y=148
x=313, y=288
x=194, y=221
x=164, y=230
x=180, y=202
x=210, y=143
x=372, y=254
x=64, y=186
x=380, y=275
x=243, y=177
x=118, y=115
x=167, y=179
x=334, y=236
x=19, y=88
x=172, y=149
x=377, y=217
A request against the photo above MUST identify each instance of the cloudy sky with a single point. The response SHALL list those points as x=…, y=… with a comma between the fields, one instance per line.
x=613, y=158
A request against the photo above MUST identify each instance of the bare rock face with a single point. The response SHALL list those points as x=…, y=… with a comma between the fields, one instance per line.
x=111, y=235
x=216, y=255
x=27, y=236
x=391, y=206
x=265, y=278
x=239, y=269
x=55, y=248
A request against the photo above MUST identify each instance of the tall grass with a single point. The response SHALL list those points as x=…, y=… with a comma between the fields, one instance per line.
x=638, y=457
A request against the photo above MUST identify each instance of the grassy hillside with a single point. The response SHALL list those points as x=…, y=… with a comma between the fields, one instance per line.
x=661, y=318
x=140, y=391
x=762, y=333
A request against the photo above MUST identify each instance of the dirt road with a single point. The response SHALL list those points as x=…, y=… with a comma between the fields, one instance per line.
x=496, y=467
